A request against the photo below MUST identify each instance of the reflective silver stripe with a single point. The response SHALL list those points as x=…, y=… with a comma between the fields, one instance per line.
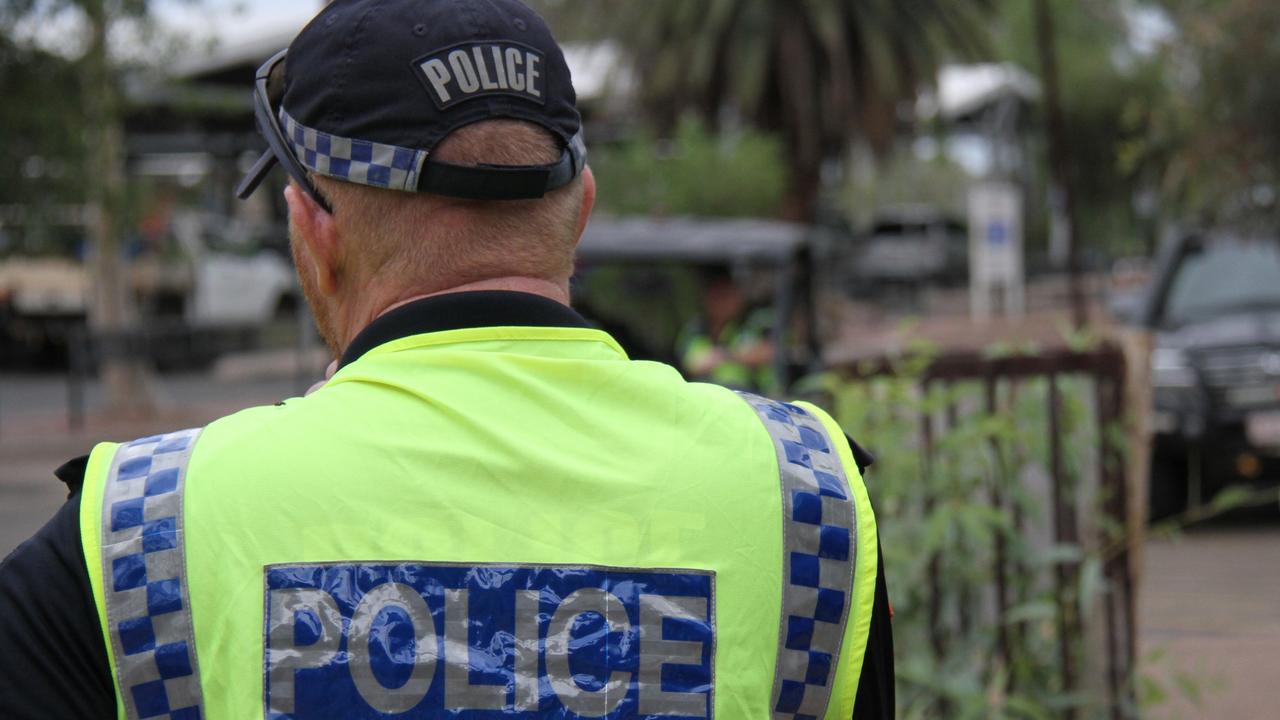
x=819, y=550
x=144, y=573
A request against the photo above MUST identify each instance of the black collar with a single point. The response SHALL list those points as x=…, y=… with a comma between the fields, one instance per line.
x=462, y=311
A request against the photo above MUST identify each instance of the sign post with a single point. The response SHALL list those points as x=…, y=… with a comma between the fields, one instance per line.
x=997, y=279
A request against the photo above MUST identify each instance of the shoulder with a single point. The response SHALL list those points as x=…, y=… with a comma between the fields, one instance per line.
x=807, y=418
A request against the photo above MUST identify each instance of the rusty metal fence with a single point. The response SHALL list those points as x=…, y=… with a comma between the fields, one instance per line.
x=985, y=428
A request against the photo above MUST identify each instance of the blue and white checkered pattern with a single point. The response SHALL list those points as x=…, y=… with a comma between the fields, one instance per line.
x=819, y=550
x=355, y=161
x=144, y=571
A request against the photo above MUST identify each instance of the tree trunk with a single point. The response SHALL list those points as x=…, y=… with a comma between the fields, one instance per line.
x=804, y=187
x=795, y=71
x=1060, y=169
x=110, y=312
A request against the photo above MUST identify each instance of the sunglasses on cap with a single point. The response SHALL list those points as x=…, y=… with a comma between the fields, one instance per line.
x=268, y=92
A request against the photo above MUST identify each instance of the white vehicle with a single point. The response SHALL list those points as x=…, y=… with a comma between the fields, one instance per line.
x=913, y=245
x=223, y=278
x=235, y=279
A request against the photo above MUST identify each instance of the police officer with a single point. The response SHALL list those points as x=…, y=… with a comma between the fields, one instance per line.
x=488, y=511
x=728, y=343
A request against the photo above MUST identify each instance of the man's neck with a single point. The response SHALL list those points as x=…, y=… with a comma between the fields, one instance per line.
x=363, y=317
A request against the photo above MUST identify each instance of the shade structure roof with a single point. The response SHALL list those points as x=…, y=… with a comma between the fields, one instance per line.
x=690, y=240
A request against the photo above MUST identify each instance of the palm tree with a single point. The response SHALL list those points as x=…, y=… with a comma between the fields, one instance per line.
x=820, y=73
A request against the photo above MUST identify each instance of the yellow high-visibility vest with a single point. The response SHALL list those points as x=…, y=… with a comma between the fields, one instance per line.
x=487, y=523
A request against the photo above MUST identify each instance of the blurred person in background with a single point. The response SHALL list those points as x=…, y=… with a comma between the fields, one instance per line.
x=730, y=343
x=488, y=509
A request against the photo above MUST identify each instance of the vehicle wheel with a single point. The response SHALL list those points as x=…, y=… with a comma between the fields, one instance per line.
x=1167, y=494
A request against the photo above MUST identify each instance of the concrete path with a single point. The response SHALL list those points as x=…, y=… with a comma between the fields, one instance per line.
x=35, y=438
x=1210, y=612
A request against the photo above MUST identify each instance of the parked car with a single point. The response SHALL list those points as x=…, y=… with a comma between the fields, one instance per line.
x=912, y=246
x=212, y=276
x=1215, y=307
x=242, y=273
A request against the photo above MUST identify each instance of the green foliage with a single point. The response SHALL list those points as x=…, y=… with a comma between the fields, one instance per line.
x=1214, y=139
x=696, y=173
x=41, y=159
x=649, y=330
x=935, y=493
x=819, y=73
x=948, y=496
x=59, y=115
x=1107, y=91
x=903, y=179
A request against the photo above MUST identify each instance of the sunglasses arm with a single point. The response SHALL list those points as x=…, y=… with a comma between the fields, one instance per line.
x=256, y=175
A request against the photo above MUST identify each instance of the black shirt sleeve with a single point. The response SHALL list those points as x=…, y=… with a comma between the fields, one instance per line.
x=53, y=663
x=72, y=474
x=876, y=700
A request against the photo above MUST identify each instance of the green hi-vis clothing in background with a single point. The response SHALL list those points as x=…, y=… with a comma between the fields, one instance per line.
x=496, y=522
x=695, y=346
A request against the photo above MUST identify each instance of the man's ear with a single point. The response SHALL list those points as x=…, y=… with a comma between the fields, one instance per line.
x=318, y=232
x=588, y=200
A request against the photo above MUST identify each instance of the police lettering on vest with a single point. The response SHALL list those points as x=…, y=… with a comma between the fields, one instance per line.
x=479, y=69
x=495, y=641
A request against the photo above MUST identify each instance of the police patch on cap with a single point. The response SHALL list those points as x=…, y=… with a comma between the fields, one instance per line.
x=472, y=70
x=355, y=115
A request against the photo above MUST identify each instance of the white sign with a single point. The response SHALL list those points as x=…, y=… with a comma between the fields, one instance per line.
x=996, y=273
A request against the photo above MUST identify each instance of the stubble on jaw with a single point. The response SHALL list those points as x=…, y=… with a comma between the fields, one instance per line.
x=319, y=311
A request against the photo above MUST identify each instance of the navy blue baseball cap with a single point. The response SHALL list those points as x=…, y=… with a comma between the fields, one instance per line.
x=370, y=87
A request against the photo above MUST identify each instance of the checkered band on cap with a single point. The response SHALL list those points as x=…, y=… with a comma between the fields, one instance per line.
x=819, y=553
x=355, y=161
x=145, y=578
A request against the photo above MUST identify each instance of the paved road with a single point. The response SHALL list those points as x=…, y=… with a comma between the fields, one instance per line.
x=35, y=439
x=1211, y=605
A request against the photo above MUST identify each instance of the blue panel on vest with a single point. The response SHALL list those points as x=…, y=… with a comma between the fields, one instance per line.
x=129, y=572
x=806, y=570
x=830, y=484
x=819, y=668
x=807, y=508
x=151, y=699
x=797, y=454
x=830, y=605
x=126, y=514
x=812, y=439
x=799, y=632
x=790, y=696
x=487, y=642
x=137, y=635
x=161, y=482
x=164, y=596
x=135, y=468
x=173, y=660
x=834, y=543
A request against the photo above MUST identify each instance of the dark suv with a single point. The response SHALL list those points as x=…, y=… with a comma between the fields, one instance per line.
x=1215, y=307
